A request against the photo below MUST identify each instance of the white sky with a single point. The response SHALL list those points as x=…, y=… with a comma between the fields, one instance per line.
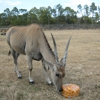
x=28, y=4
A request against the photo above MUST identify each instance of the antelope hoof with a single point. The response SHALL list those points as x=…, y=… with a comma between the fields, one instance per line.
x=20, y=77
x=50, y=84
x=32, y=82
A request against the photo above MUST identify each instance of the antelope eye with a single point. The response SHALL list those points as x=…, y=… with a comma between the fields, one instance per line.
x=57, y=74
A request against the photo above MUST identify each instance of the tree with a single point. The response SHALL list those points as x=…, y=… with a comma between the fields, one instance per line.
x=59, y=12
x=80, y=13
x=99, y=12
x=80, y=9
x=23, y=11
x=43, y=18
x=22, y=17
x=14, y=16
x=86, y=10
x=71, y=19
x=86, y=14
x=70, y=15
x=3, y=19
x=69, y=11
x=96, y=17
x=8, y=16
x=49, y=13
x=33, y=16
x=93, y=8
x=54, y=14
x=14, y=11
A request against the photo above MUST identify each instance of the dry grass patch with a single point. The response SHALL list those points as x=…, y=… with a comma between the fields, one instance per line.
x=83, y=68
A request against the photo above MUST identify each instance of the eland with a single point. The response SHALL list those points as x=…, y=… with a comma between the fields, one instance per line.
x=32, y=42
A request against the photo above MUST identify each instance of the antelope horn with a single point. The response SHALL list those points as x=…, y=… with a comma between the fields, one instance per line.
x=55, y=48
x=63, y=60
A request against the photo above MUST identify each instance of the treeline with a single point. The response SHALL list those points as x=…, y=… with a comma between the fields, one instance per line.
x=57, y=15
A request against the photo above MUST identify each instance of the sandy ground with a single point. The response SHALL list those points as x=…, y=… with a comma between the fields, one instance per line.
x=83, y=68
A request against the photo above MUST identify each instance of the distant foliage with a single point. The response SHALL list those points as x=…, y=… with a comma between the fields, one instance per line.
x=57, y=15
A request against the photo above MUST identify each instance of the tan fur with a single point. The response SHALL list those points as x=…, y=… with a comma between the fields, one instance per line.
x=31, y=41
x=28, y=39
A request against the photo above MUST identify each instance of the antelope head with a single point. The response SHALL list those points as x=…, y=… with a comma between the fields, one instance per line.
x=59, y=71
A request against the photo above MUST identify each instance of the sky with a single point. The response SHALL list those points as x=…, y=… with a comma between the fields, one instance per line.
x=28, y=4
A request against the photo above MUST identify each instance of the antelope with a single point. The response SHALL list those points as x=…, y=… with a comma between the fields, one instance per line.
x=32, y=42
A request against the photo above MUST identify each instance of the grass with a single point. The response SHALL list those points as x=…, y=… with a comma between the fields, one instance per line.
x=83, y=68
x=19, y=96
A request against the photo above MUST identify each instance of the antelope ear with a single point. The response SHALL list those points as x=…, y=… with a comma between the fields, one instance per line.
x=53, y=67
x=63, y=60
x=48, y=63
